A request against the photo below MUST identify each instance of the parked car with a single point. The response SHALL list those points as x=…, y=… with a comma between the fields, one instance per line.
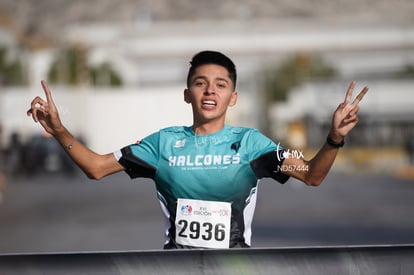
x=45, y=154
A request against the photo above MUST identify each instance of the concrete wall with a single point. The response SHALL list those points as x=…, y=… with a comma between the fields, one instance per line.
x=106, y=119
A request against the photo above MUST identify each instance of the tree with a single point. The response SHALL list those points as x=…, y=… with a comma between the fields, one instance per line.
x=293, y=72
x=280, y=79
x=71, y=68
x=406, y=72
x=105, y=75
x=12, y=72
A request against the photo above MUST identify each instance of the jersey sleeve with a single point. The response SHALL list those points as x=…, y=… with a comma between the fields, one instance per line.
x=268, y=166
x=140, y=159
x=267, y=157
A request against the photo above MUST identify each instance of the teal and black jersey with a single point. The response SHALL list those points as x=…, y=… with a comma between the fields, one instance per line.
x=223, y=167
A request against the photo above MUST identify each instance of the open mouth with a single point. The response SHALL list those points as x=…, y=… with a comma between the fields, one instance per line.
x=209, y=103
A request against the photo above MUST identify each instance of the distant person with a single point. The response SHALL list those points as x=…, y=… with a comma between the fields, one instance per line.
x=206, y=174
x=410, y=150
x=14, y=155
x=2, y=164
x=2, y=185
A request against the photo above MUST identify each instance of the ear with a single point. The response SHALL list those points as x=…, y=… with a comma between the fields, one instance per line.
x=187, y=96
x=233, y=99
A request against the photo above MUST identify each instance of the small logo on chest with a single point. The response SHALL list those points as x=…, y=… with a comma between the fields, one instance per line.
x=179, y=143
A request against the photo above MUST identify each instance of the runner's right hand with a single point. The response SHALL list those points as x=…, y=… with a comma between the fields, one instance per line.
x=46, y=112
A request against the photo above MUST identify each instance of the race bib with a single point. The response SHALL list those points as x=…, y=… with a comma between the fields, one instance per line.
x=203, y=223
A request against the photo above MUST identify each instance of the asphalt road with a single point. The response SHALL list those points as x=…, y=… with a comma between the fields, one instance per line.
x=55, y=213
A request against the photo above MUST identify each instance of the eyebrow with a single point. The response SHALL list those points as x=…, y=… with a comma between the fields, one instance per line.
x=205, y=78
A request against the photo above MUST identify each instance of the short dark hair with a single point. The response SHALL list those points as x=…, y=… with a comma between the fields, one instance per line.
x=212, y=57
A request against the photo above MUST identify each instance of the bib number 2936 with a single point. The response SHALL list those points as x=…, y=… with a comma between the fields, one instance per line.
x=203, y=223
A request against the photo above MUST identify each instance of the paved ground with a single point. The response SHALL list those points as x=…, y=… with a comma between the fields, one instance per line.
x=54, y=213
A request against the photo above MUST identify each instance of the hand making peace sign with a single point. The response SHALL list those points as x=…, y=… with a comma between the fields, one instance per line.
x=346, y=115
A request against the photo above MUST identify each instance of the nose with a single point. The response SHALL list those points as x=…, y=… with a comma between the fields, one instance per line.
x=209, y=89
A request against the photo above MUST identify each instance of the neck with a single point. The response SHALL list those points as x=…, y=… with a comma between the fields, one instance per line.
x=207, y=128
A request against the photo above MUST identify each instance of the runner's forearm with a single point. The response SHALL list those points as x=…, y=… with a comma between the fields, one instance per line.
x=91, y=163
x=320, y=165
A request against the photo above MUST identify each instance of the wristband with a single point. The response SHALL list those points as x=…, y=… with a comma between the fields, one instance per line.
x=333, y=143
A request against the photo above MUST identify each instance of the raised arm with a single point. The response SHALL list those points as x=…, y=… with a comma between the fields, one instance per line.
x=344, y=120
x=94, y=165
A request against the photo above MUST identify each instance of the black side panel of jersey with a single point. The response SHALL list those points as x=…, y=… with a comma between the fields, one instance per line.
x=135, y=167
x=267, y=166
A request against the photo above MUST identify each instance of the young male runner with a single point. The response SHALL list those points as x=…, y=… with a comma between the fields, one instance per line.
x=206, y=174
